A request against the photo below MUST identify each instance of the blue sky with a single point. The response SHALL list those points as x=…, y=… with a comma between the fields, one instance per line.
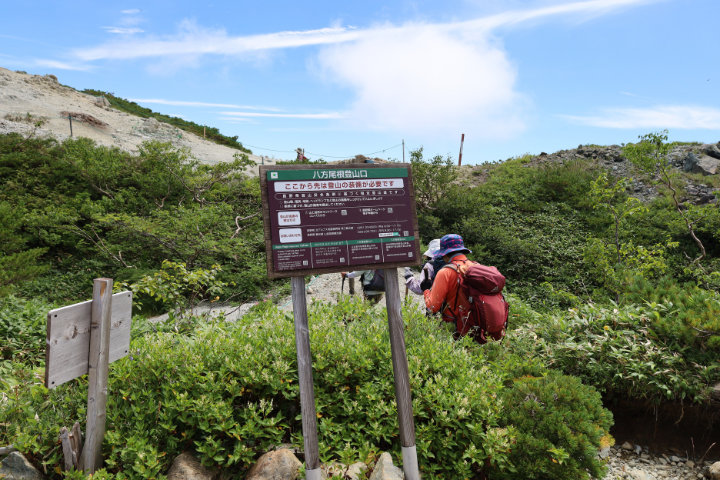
x=341, y=78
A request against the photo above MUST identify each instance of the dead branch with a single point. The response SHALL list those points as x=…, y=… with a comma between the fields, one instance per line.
x=706, y=333
x=238, y=219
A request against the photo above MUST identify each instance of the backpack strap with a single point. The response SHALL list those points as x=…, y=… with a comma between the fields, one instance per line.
x=455, y=268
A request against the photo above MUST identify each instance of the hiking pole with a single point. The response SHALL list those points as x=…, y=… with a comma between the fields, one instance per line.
x=342, y=285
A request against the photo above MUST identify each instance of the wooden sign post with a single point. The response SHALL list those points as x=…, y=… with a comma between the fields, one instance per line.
x=84, y=339
x=331, y=219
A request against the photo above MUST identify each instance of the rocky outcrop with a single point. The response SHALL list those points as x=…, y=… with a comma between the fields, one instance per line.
x=278, y=465
x=702, y=164
x=16, y=467
x=711, y=149
x=187, y=467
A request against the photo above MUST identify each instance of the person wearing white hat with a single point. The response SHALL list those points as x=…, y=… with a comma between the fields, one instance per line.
x=427, y=274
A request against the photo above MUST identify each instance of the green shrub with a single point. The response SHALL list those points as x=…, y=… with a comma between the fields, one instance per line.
x=230, y=391
x=617, y=351
x=560, y=425
x=22, y=332
x=691, y=314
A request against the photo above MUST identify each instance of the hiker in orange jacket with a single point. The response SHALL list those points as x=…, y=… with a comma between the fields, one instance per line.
x=445, y=295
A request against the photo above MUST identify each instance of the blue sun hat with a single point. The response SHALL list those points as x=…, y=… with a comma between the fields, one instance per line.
x=451, y=244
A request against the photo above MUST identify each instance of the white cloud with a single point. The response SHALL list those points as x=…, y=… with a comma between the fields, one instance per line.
x=192, y=39
x=126, y=31
x=60, y=65
x=427, y=80
x=198, y=104
x=686, y=117
x=416, y=77
x=132, y=11
x=314, y=116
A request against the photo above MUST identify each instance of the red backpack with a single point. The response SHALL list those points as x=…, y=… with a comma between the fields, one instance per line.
x=489, y=312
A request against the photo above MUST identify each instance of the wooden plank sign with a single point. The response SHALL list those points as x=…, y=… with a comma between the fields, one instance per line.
x=335, y=218
x=68, y=338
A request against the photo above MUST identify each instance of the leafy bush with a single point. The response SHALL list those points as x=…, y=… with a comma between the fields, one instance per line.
x=231, y=390
x=560, y=426
x=22, y=332
x=617, y=351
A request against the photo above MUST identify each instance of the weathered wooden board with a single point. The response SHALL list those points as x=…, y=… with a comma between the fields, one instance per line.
x=68, y=338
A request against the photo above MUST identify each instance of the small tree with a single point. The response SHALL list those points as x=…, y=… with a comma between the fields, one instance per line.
x=431, y=177
x=650, y=156
x=617, y=261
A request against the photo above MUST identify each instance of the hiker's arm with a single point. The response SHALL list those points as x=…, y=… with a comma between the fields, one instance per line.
x=413, y=284
x=435, y=297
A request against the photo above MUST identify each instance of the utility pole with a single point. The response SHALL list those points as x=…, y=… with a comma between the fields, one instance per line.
x=403, y=151
x=462, y=140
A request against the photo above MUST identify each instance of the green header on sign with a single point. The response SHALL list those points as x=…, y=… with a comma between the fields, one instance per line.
x=336, y=173
x=343, y=243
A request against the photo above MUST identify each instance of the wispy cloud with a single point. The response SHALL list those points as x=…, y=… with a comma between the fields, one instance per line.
x=634, y=95
x=123, y=30
x=61, y=65
x=192, y=39
x=314, y=116
x=132, y=11
x=686, y=117
x=428, y=78
x=181, y=103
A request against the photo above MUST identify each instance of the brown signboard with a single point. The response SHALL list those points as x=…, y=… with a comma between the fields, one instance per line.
x=336, y=218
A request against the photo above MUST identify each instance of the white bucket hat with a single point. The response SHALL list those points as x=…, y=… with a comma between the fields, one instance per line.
x=433, y=248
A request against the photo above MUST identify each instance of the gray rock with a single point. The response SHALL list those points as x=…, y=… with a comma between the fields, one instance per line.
x=705, y=199
x=706, y=165
x=690, y=162
x=102, y=102
x=16, y=467
x=714, y=471
x=711, y=149
x=355, y=470
x=662, y=461
x=626, y=446
x=604, y=453
x=187, y=467
x=674, y=459
x=278, y=465
x=715, y=391
x=690, y=464
x=638, y=474
x=638, y=449
x=385, y=470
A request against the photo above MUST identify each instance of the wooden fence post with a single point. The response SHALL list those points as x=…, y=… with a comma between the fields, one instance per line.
x=307, y=391
x=98, y=361
x=402, y=377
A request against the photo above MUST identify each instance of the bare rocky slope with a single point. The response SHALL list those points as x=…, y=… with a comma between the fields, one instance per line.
x=26, y=99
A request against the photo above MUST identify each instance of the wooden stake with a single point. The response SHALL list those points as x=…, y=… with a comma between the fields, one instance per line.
x=203, y=132
x=70, y=118
x=307, y=391
x=402, y=377
x=462, y=140
x=67, y=449
x=91, y=458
